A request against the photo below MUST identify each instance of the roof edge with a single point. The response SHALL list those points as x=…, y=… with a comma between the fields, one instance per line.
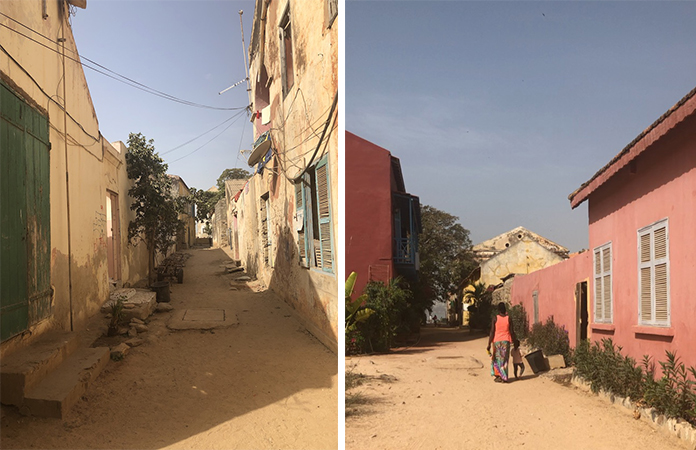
x=676, y=114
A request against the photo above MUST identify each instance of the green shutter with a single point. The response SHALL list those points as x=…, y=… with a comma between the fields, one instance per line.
x=25, y=265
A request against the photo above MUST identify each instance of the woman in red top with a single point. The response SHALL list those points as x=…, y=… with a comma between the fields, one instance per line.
x=502, y=334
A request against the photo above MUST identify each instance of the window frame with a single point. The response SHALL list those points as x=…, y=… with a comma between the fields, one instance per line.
x=285, y=22
x=600, y=276
x=330, y=12
x=307, y=205
x=652, y=264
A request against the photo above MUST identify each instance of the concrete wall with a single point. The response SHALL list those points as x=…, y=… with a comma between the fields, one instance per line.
x=555, y=286
x=92, y=165
x=659, y=184
x=522, y=257
x=368, y=210
x=293, y=117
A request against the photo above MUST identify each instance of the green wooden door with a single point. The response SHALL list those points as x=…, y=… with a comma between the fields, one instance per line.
x=25, y=248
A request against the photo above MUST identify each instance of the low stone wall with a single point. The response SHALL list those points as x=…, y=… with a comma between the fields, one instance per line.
x=676, y=427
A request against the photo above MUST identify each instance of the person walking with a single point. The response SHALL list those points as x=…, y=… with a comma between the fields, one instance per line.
x=502, y=334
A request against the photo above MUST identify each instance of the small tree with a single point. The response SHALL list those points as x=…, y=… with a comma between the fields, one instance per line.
x=231, y=174
x=205, y=201
x=156, y=211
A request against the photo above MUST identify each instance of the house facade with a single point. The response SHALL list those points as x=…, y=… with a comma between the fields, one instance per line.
x=518, y=251
x=637, y=273
x=65, y=204
x=382, y=219
x=642, y=211
x=286, y=217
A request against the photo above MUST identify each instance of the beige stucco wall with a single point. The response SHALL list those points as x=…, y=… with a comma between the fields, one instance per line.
x=311, y=292
x=523, y=257
x=78, y=215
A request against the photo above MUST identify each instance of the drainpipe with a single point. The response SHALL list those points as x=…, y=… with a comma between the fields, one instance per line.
x=67, y=177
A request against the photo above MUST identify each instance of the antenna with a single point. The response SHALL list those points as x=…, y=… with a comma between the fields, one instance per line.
x=244, y=55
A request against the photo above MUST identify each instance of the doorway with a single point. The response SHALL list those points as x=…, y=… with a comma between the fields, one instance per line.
x=582, y=314
x=25, y=247
x=113, y=236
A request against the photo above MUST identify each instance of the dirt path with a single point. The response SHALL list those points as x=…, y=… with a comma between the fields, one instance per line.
x=443, y=397
x=264, y=383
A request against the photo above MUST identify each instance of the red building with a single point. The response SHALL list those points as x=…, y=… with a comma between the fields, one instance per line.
x=382, y=219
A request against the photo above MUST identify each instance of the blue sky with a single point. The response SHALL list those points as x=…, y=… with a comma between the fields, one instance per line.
x=190, y=49
x=499, y=110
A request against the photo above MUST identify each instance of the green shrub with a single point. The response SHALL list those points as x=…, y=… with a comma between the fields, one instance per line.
x=550, y=338
x=520, y=321
x=604, y=367
x=675, y=393
x=393, y=312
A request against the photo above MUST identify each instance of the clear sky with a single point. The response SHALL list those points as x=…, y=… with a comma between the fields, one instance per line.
x=189, y=49
x=499, y=110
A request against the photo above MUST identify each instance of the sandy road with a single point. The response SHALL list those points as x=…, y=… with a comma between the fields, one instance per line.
x=262, y=383
x=443, y=397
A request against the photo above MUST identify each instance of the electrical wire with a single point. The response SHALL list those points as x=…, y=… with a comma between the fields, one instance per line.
x=48, y=96
x=323, y=133
x=123, y=79
x=211, y=140
x=199, y=136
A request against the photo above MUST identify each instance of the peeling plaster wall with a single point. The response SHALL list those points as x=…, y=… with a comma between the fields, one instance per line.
x=294, y=118
x=521, y=258
x=78, y=233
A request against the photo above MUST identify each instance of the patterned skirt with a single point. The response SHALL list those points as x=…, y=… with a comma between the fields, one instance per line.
x=499, y=361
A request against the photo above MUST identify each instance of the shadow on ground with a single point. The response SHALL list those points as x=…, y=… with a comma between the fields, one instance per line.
x=262, y=383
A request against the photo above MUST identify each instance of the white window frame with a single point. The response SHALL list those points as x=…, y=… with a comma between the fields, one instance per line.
x=651, y=264
x=603, y=272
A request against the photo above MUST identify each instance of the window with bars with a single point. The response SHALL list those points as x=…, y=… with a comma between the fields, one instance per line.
x=313, y=218
x=603, y=300
x=653, y=275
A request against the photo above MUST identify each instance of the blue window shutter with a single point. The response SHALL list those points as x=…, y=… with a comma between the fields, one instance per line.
x=301, y=208
x=324, y=210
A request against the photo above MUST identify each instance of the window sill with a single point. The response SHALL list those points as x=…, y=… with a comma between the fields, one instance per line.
x=656, y=331
x=603, y=327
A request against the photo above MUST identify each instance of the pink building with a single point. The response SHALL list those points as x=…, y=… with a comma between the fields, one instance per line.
x=642, y=234
x=382, y=220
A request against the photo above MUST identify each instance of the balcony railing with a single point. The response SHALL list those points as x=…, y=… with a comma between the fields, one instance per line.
x=405, y=251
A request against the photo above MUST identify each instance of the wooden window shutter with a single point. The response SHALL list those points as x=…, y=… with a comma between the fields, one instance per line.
x=606, y=269
x=661, y=275
x=301, y=215
x=599, y=311
x=645, y=295
x=324, y=210
x=653, y=266
x=661, y=306
x=602, y=278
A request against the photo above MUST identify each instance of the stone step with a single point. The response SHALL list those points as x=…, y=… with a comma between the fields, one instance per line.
x=26, y=367
x=62, y=388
